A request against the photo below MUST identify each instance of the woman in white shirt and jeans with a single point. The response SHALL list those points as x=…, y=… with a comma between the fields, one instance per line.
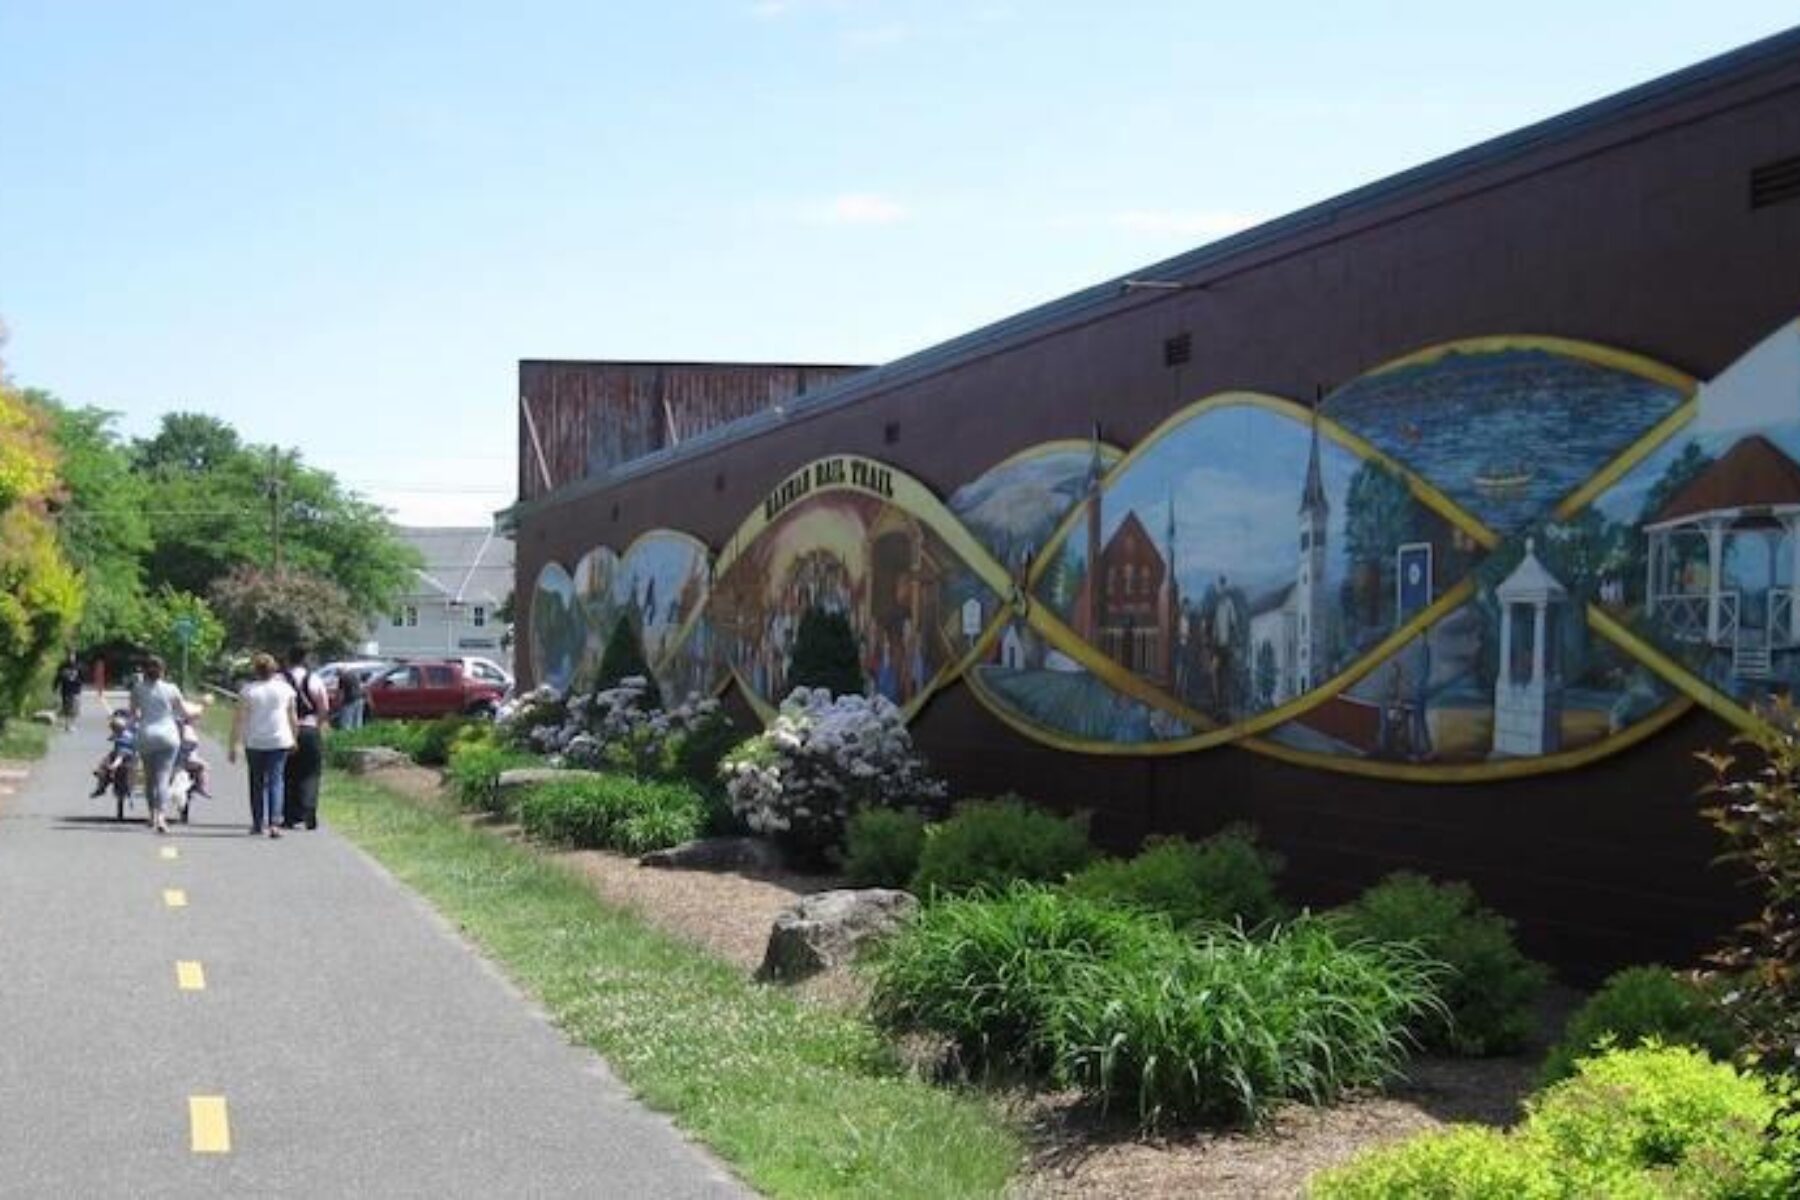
x=266, y=727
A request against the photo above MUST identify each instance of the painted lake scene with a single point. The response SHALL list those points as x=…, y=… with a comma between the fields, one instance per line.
x=1505, y=433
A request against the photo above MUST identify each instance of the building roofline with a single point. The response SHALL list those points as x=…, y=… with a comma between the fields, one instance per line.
x=728, y=365
x=1110, y=296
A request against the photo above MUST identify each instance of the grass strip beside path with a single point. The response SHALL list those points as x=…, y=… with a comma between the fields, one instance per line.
x=801, y=1100
x=24, y=739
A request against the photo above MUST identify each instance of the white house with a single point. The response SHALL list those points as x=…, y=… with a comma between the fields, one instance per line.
x=453, y=606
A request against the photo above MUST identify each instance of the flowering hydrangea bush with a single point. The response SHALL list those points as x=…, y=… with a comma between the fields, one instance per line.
x=621, y=727
x=821, y=760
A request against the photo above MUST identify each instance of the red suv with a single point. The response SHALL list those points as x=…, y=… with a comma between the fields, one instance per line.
x=431, y=689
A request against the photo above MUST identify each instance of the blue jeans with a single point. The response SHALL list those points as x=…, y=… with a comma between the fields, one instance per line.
x=159, y=765
x=266, y=768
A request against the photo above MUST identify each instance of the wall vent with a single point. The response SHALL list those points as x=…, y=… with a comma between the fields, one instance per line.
x=1178, y=349
x=1772, y=183
x=890, y=433
x=719, y=482
x=615, y=512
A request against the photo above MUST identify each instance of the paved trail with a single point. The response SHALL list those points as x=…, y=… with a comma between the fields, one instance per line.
x=345, y=1041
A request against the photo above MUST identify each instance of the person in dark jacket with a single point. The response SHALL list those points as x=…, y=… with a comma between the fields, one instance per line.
x=313, y=708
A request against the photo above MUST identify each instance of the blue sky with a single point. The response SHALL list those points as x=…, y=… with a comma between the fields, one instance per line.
x=340, y=225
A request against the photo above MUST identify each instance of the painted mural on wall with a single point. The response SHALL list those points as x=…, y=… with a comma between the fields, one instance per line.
x=1494, y=557
x=1694, y=553
x=558, y=633
x=855, y=538
x=1017, y=511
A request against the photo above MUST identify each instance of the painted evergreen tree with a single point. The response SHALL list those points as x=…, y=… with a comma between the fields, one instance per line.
x=623, y=658
x=826, y=655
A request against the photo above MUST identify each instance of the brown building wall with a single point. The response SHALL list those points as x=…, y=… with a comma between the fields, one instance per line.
x=591, y=417
x=1634, y=231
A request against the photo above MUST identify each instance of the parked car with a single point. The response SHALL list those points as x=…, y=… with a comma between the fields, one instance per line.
x=432, y=688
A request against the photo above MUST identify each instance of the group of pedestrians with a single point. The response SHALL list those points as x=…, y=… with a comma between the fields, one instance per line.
x=280, y=727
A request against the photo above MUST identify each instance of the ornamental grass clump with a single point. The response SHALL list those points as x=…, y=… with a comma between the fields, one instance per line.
x=993, y=843
x=1223, y=1032
x=1226, y=878
x=614, y=812
x=989, y=972
x=821, y=760
x=1117, y=1003
x=1491, y=995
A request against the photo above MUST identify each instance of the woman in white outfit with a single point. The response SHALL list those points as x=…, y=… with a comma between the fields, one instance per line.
x=265, y=727
x=154, y=705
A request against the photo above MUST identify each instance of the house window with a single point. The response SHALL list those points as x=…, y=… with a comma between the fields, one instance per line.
x=411, y=612
x=399, y=618
x=478, y=616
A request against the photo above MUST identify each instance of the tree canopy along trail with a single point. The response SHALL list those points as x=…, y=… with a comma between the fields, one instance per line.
x=212, y=1014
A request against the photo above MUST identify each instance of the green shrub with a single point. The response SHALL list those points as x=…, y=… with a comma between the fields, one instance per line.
x=1489, y=1000
x=1636, y=1005
x=694, y=752
x=394, y=735
x=1463, y=1162
x=990, y=844
x=826, y=654
x=613, y=812
x=436, y=737
x=1665, y=1121
x=623, y=658
x=1225, y=878
x=883, y=846
x=474, y=771
x=1119, y=1004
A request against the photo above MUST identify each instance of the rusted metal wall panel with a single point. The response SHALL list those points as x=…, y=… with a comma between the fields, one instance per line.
x=591, y=416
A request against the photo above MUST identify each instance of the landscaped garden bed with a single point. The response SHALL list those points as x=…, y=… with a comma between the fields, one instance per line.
x=1162, y=1024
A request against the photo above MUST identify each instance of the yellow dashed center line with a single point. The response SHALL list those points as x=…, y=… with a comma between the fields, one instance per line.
x=190, y=977
x=210, y=1127
x=175, y=897
x=170, y=852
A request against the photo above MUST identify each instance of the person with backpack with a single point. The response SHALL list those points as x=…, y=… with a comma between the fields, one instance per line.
x=313, y=707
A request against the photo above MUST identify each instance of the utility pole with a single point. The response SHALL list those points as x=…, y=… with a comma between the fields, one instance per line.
x=275, y=505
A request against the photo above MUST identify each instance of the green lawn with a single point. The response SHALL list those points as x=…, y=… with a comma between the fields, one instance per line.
x=22, y=739
x=801, y=1100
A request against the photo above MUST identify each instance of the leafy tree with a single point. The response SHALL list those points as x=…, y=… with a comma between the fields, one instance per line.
x=210, y=496
x=624, y=658
x=272, y=612
x=159, y=623
x=825, y=654
x=105, y=532
x=40, y=594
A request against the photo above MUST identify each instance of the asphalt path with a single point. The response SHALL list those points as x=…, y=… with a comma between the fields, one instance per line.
x=346, y=1041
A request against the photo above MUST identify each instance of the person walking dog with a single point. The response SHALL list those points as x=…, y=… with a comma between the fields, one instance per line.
x=265, y=728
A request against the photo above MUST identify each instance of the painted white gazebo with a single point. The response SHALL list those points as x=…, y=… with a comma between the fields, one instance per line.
x=1528, y=689
x=1747, y=502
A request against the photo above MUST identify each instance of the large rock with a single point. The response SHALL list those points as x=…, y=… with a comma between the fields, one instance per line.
x=718, y=854
x=361, y=760
x=825, y=929
x=524, y=777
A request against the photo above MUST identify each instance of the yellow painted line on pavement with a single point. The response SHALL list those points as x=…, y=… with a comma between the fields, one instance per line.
x=175, y=897
x=190, y=977
x=209, y=1125
x=170, y=852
